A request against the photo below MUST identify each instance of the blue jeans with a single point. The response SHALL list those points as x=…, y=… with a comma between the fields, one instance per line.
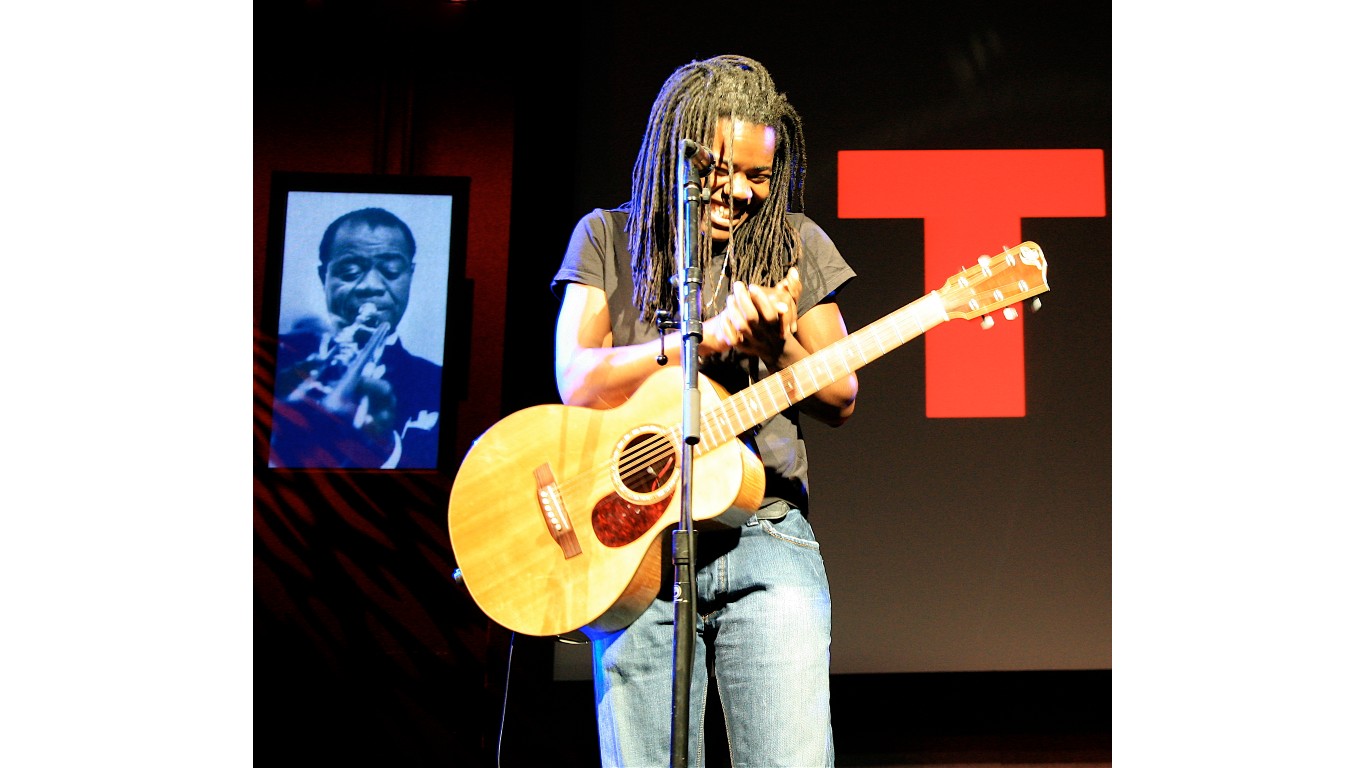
x=763, y=633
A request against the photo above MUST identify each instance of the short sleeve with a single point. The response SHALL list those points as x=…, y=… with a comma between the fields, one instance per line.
x=587, y=254
x=823, y=269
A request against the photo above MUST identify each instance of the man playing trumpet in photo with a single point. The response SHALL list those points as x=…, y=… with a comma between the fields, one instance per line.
x=350, y=395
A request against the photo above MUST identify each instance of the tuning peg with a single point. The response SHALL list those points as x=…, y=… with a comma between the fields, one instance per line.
x=1035, y=305
x=1010, y=313
x=987, y=322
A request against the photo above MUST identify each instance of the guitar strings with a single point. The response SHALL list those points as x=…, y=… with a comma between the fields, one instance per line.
x=640, y=457
x=663, y=444
x=637, y=458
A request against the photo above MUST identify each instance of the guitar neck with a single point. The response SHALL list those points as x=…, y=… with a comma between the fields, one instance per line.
x=995, y=282
x=774, y=394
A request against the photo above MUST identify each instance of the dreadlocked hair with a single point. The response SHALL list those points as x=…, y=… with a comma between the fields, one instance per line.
x=688, y=106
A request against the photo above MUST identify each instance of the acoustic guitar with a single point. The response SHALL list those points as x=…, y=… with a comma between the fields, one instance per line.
x=557, y=512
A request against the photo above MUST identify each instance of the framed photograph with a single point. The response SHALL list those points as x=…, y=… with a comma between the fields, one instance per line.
x=367, y=308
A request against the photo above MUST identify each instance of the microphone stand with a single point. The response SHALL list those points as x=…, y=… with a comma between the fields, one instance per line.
x=694, y=164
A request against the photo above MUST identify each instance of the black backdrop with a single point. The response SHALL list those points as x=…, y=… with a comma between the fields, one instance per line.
x=953, y=544
x=959, y=547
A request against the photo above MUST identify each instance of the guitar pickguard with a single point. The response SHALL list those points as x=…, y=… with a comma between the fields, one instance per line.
x=617, y=522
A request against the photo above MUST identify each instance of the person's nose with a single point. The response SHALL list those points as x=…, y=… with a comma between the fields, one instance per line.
x=372, y=281
x=737, y=186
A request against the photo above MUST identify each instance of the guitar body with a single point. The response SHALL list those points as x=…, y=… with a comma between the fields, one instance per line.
x=557, y=513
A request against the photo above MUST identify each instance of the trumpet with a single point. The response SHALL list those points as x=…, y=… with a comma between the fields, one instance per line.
x=332, y=376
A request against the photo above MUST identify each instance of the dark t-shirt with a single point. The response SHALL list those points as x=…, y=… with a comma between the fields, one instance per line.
x=598, y=256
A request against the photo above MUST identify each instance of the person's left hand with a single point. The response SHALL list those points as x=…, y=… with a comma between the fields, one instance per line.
x=760, y=320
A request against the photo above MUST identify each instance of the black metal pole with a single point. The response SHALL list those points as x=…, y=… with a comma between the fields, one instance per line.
x=694, y=163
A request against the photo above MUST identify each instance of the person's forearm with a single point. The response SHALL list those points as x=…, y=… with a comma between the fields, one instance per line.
x=834, y=403
x=605, y=377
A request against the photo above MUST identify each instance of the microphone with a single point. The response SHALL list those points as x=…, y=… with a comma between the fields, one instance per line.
x=699, y=157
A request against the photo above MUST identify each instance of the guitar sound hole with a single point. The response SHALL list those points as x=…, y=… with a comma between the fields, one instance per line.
x=646, y=463
x=645, y=467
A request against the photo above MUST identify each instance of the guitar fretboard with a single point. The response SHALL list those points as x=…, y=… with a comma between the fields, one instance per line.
x=774, y=394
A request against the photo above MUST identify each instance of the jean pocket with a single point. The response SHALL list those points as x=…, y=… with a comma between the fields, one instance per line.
x=793, y=529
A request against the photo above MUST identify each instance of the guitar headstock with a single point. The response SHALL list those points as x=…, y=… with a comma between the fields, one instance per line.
x=1007, y=278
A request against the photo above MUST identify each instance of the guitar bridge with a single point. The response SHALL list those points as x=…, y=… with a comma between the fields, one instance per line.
x=553, y=512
